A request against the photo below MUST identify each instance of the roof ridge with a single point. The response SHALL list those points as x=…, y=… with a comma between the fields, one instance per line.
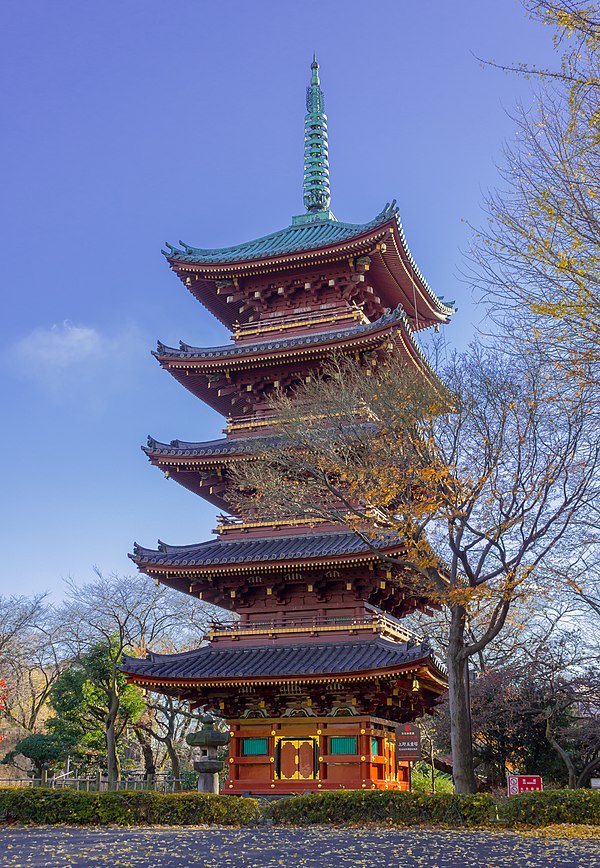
x=297, y=231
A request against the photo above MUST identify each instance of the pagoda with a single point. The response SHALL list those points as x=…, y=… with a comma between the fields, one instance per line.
x=315, y=673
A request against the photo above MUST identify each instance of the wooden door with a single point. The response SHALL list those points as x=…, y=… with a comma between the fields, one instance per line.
x=295, y=759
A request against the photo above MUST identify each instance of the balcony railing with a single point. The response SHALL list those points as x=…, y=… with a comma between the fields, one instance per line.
x=375, y=621
x=298, y=320
x=226, y=523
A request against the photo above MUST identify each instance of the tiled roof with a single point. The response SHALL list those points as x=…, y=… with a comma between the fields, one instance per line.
x=324, y=658
x=324, y=231
x=186, y=351
x=224, y=446
x=299, y=546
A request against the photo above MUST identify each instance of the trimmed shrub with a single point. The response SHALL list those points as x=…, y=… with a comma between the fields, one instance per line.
x=552, y=806
x=126, y=808
x=402, y=808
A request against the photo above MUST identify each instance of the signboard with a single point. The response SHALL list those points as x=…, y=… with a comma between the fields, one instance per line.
x=524, y=784
x=408, y=742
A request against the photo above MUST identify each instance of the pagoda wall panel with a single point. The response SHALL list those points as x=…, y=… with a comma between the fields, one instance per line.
x=298, y=755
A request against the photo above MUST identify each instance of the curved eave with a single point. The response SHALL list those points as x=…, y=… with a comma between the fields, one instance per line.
x=204, y=289
x=268, y=357
x=394, y=267
x=201, y=478
x=396, y=264
x=207, y=452
x=193, y=372
x=423, y=666
x=196, y=454
x=151, y=567
x=213, y=491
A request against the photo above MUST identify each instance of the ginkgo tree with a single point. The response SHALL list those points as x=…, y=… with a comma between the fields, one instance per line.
x=480, y=481
x=537, y=259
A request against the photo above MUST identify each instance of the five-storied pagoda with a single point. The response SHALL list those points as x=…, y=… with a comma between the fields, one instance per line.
x=318, y=674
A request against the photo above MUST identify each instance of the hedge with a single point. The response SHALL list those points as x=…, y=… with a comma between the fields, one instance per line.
x=552, y=806
x=410, y=809
x=128, y=808
x=357, y=806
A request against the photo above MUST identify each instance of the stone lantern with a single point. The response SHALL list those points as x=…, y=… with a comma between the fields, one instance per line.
x=206, y=743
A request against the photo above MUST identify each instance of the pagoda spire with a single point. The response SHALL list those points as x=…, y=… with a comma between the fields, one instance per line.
x=316, y=164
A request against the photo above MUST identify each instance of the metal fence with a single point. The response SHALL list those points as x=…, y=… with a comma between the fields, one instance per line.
x=97, y=783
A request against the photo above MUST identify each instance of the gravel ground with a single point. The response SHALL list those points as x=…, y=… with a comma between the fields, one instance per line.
x=317, y=847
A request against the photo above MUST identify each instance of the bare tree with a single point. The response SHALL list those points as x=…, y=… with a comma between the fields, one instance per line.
x=35, y=662
x=17, y=614
x=167, y=722
x=126, y=614
x=479, y=485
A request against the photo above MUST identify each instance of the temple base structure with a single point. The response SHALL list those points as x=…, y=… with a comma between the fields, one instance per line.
x=299, y=755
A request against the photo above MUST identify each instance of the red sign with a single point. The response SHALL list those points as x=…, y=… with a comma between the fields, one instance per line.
x=524, y=784
x=408, y=742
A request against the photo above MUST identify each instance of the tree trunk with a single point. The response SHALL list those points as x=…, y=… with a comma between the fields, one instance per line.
x=584, y=778
x=562, y=754
x=175, y=767
x=147, y=753
x=112, y=761
x=458, y=701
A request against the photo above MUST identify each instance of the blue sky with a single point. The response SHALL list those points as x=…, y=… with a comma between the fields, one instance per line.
x=131, y=122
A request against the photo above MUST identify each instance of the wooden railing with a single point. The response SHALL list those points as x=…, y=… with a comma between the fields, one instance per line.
x=376, y=621
x=291, y=321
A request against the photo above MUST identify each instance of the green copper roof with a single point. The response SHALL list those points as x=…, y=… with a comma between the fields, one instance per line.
x=308, y=232
x=316, y=163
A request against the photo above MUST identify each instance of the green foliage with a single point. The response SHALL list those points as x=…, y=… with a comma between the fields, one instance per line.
x=410, y=809
x=553, y=806
x=81, y=697
x=420, y=780
x=43, y=750
x=74, y=718
x=402, y=808
x=189, y=780
x=41, y=806
x=128, y=808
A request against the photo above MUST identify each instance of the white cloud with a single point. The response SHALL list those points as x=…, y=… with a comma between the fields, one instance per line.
x=70, y=362
x=60, y=347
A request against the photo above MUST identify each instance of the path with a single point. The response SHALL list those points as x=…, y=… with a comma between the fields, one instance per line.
x=314, y=847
